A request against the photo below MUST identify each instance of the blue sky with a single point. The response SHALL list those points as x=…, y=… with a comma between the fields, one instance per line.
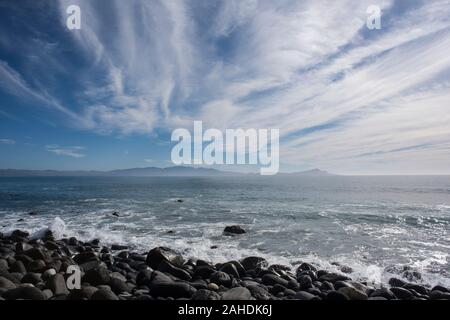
x=345, y=98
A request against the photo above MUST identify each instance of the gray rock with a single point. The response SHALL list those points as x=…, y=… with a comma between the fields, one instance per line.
x=221, y=278
x=259, y=292
x=383, y=292
x=157, y=255
x=402, y=294
x=166, y=266
x=333, y=277
x=104, y=294
x=353, y=293
x=238, y=293
x=57, y=284
x=6, y=284
x=336, y=296
x=234, y=230
x=97, y=277
x=174, y=290
x=251, y=263
x=303, y=295
x=25, y=292
x=271, y=280
x=205, y=295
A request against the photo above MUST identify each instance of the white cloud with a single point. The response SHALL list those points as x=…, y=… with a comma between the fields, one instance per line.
x=7, y=141
x=74, y=152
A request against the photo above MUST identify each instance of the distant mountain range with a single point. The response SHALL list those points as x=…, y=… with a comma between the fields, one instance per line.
x=179, y=171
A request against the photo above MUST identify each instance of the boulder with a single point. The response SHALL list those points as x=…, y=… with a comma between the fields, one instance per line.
x=104, y=294
x=166, y=266
x=234, y=230
x=402, y=294
x=174, y=290
x=157, y=255
x=57, y=284
x=6, y=284
x=221, y=278
x=238, y=293
x=97, y=277
x=251, y=263
x=353, y=293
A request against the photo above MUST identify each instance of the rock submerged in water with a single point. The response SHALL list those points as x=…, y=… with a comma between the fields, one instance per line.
x=38, y=270
x=234, y=230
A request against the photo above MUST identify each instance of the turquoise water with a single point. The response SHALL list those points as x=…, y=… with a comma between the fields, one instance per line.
x=376, y=225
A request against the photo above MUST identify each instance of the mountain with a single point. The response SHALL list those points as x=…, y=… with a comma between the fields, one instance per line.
x=179, y=171
x=312, y=173
x=135, y=172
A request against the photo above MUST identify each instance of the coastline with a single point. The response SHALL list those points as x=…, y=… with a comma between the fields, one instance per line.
x=42, y=269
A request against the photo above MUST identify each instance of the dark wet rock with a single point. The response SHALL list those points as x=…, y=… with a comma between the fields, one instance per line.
x=279, y=269
x=305, y=282
x=117, y=247
x=238, y=293
x=115, y=214
x=383, y=292
x=336, y=296
x=402, y=294
x=25, y=292
x=333, y=277
x=86, y=292
x=230, y=269
x=18, y=266
x=48, y=274
x=214, y=247
x=23, y=246
x=89, y=265
x=327, y=286
x=6, y=284
x=251, y=263
x=37, y=266
x=157, y=255
x=271, y=280
x=203, y=272
x=33, y=278
x=353, y=294
x=259, y=292
x=180, y=200
x=418, y=288
x=144, y=276
x=18, y=235
x=172, y=289
x=221, y=278
x=305, y=267
x=85, y=257
x=303, y=295
x=97, y=277
x=119, y=286
x=205, y=295
x=394, y=282
x=57, y=284
x=167, y=267
x=32, y=213
x=440, y=288
x=104, y=294
x=234, y=230
x=36, y=254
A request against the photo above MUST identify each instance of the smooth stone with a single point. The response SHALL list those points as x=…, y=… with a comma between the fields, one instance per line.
x=144, y=276
x=378, y=298
x=230, y=269
x=221, y=278
x=251, y=263
x=336, y=296
x=6, y=284
x=440, y=288
x=213, y=287
x=33, y=278
x=159, y=254
x=353, y=293
x=383, y=292
x=259, y=292
x=238, y=293
x=333, y=277
x=402, y=293
x=174, y=290
x=271, y=280
x=86, y=292
x=97, y=277
x=166, y=266
x=305, y=282
x=104, y=294
x=118, y=286
x=303, y=295
x=37, y=266
x=57, y=284
x=25, y=292
x=18, y=266
x=418, y=288
x=234, y=230
x=394, y=282
x=203, y=272
x=48, y=273
x=203, y=294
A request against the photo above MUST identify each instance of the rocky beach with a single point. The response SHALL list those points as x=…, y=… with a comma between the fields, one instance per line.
x=40, y=269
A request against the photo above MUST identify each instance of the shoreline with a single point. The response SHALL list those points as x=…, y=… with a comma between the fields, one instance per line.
x=42, y=269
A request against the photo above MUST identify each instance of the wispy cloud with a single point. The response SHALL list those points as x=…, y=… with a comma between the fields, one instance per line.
x=75, y=151
x=342, y=96
x=7, y=141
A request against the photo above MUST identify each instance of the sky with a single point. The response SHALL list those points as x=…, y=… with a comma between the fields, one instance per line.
x=345, y=98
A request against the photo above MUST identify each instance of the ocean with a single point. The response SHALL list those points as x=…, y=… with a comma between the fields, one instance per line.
x=379, y=226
